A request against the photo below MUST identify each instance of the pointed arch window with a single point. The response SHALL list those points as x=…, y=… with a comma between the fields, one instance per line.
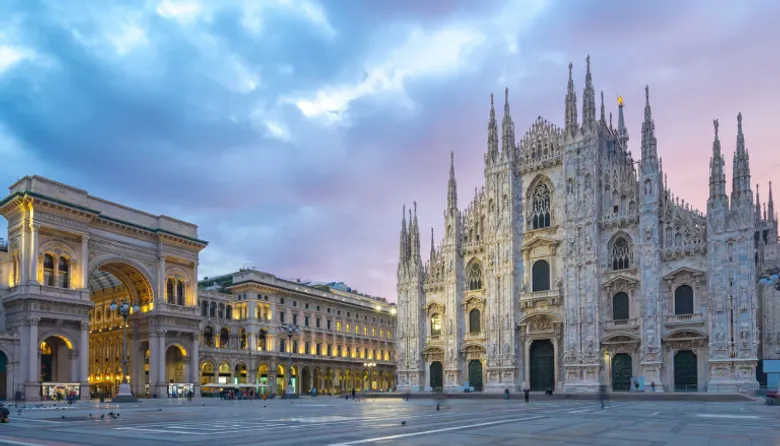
x=49, y=278
x=213, y=309
x=621, y=254
x=180, y=293
x=64, y=270
x=474, y=275
x=204, y=308
x=540, y=276
x=436, y=325
x=620, y=310
x=475, y=325
x=541, y=201
x=170, y=291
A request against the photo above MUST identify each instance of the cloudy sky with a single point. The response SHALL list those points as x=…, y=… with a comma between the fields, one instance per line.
x=292, y=131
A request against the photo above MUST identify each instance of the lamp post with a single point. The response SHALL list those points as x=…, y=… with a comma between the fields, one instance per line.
x=290, y=330
x=125, y=395
x=369, y=365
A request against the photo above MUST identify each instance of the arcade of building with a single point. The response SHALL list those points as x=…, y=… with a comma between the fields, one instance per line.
x=70, y=255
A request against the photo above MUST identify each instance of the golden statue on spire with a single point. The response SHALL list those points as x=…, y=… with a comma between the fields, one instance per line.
x=620, y=101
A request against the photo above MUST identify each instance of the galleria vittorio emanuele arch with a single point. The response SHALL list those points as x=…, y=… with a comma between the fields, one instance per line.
x=69, y=255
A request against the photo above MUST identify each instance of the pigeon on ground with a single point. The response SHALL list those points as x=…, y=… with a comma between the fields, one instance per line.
x=102, y=416
x=403, y=423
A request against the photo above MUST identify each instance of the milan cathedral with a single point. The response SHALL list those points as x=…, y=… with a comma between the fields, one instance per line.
x=575, y=266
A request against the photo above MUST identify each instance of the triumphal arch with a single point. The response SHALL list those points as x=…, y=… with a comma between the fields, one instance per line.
x=68, y=256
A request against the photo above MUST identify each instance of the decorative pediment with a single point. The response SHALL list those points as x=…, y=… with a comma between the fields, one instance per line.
x=538, y=245
x=621, y=339
x=685, y=335
x=474, y=302
x=694, y=273
x=621, y=282
x=473, y=348
x=433, y=350
x=434, y=307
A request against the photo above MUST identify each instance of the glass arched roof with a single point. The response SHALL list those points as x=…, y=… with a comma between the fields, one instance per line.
x=100, y=280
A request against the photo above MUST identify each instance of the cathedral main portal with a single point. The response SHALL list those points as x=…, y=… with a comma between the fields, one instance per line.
x=542, y=365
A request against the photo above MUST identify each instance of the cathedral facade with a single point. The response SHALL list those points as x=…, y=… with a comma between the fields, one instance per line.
x=575, y=266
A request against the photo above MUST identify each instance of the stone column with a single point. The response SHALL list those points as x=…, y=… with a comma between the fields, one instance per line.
x=34, y=254
x=25, y=260
x=32, y=384
x=555, y=359
x=161, y=361
x=527, y=363
x=154, y=355
x=83, y=359
x=161, y=279
x=195, y=364
x=84, y=262
x=135, y=358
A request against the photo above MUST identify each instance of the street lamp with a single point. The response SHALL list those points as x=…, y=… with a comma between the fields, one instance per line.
x=369, y=365
x=124, y=395
x=772, y=276
x=290, y=330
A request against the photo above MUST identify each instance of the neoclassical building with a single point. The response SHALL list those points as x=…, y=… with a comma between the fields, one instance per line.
x=575, y=265
x=340, y=332
x=69, y=255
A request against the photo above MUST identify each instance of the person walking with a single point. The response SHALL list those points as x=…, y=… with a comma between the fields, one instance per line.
x=652, y=385
x=527, y=394
x=602, y=395
x=353, y=394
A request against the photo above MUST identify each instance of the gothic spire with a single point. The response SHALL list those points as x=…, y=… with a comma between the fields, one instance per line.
x=770, y=205
x=571, y=108
x=621, y=128
x=758, y=205
x=603, y=111
x=492, y=152
x=508, y=128
x=415, y=233
x=404, y=237
x=452, y=186
x=717, y=168
x=649, y=143
x=740, y=191
x=433, y=246
x=588, y=101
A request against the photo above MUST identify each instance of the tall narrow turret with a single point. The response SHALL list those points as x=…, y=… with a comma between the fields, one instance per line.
x=718, y=197
x=621, y=128
x=771, y=205
x=492, y=152
x=508, y=130
x=452, y=186
x=415, y=239
x=649, y=144
x=403, y=255
x=741, y=195
x=758, y=206
x=588, y=101
x=572, y=126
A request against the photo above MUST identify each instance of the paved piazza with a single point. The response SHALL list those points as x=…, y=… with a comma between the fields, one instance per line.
x=335, y=421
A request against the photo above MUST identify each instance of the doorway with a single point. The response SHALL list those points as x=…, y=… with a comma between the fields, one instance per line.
x=475, y=374
x=621, y=372
x=437, y=376
x=542, y=365
x=685, y=371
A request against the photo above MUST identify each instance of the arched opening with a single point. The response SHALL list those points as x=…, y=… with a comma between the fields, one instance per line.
x=180, y=293
x=686, y=371
x=213, y=309
x=49, y=276
x=621, y=254
x=541, y=201
x=229, y=312
x=170, y=293
x=225, y=373
x=620, y=307
x=204, y=308
x=305, y=380
x=175, y=366
x=262, y=340
x=58, y=368
x=437, y=376
x=208, y=373
x=224, y=338
x=240, y=373
x=208, y=336
x=262, y=377
x=117, y=281
x=243, y=339
x=683, y=300
x=436, y=325
x=542, y=365
x=64, y=272
x=474, y=275
x=540, y=276
x=475, y=374
x=621, y=372
x=3, y=376
x=475, y=322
